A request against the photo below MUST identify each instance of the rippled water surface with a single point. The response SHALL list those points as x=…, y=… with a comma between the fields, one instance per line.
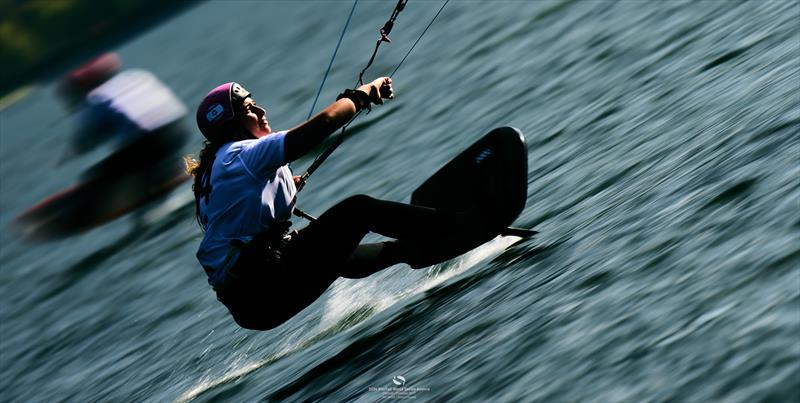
x=664, y=157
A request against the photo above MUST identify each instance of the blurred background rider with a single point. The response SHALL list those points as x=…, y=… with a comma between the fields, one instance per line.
x=131, y=109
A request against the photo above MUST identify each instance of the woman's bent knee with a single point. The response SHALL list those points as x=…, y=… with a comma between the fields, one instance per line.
x=357, y=201
x=348, y=207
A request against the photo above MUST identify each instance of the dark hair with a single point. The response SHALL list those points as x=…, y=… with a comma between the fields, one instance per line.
x=200, y=168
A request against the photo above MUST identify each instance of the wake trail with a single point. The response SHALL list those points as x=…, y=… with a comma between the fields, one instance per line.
x=351, y=302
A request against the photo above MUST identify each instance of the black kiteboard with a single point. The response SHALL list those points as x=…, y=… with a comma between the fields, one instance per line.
x=488, y=184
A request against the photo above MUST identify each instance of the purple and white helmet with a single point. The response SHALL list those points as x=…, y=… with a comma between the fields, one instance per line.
x=217, y=108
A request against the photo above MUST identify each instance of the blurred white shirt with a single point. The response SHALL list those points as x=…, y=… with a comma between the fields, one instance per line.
x=140, y=97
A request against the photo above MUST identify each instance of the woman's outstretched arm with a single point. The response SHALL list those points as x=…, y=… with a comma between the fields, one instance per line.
x=303, y=138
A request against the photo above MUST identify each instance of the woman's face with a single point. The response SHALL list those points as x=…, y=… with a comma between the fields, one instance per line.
x=254, y=118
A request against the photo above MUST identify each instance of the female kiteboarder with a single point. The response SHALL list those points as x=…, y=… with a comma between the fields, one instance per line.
x=244, y=191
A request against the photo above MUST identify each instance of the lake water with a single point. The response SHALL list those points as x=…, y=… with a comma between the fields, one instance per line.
x=664, y=158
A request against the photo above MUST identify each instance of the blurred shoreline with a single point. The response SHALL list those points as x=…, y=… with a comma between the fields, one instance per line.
x=42, y=39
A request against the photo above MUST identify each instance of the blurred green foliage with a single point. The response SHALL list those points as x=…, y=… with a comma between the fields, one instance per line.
x=38, y=35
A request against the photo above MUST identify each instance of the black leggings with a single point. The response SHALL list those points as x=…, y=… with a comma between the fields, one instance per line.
x=268, y=293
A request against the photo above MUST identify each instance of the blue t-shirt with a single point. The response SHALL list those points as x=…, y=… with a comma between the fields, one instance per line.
x=251, y=189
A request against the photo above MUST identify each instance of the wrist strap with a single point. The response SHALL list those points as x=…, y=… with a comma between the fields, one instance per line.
x=359, y=98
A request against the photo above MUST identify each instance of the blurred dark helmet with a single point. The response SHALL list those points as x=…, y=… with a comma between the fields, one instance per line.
x=218, y=109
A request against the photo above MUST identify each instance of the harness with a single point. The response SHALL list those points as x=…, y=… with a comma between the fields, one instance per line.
x=269, y=246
